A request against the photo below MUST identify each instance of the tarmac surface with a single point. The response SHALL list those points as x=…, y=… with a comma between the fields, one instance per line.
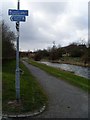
x=64, y=100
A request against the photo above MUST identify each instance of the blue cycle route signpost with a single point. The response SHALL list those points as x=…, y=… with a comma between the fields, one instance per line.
x=18, y=16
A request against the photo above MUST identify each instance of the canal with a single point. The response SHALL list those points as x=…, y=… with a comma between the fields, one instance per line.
x=78, y=70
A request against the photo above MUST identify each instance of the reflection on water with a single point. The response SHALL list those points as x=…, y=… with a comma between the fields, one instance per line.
x=78, y=70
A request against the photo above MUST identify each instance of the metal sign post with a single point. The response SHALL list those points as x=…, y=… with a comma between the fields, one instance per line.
x=17, y=60
x=17, y=15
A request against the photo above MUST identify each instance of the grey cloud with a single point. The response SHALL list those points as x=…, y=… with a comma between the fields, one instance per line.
x=81, y=22
x=50, y=7
x=36, y=33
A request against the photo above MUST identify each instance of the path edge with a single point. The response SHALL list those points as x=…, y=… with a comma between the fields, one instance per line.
x=31, y=114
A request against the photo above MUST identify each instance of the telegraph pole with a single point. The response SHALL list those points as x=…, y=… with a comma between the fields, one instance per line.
x=17, y=59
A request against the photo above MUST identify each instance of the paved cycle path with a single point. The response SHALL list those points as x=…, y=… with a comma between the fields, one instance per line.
x=65, y=100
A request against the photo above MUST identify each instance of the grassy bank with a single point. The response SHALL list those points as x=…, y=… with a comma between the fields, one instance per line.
x=32, y=95
x=64, y=75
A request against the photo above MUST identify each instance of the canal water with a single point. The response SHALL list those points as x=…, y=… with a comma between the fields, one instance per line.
x=78, y=70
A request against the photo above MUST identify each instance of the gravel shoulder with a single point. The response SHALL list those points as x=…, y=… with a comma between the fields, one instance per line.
x=65, y=100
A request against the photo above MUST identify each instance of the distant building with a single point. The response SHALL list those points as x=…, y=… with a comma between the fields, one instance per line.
x=29, y=54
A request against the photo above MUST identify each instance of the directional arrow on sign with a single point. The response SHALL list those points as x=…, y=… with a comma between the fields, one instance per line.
x=18, y=18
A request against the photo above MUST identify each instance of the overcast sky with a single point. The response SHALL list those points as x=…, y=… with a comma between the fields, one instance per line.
x=63, y=22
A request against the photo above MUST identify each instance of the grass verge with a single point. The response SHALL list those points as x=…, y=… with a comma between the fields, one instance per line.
x=64, y=75
x=32, y=94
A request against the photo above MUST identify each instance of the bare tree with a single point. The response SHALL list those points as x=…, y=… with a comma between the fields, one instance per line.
x=8, y=38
